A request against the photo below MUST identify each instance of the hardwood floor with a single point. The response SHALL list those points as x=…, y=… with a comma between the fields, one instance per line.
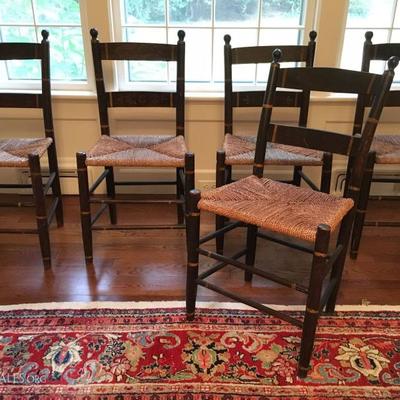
x=150, y=265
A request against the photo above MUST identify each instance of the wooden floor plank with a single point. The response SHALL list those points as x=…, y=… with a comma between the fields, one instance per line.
x=150, y=265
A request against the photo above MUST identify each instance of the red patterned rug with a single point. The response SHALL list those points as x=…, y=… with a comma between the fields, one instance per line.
x=135, y=352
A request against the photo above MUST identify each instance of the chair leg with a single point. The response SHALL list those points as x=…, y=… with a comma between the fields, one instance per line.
x=40, y=204
x=326, y=173
x=192, y=235
x=179, y=196
x=111, y=193
x=251, y=250
x=296, y=175
x=318, y=272
x=362, y=206
x=56, y=187
x=189, y=177
x=221, y=173
x=337, y=268
x=84, y=198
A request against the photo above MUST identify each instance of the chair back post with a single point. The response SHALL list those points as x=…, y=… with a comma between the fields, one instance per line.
x=362, y=99
x=100, y=88
x=180, y=85
x=305, y=102
x=359, y=162
x=46, y=88
x=266, y=112
x=228, y=84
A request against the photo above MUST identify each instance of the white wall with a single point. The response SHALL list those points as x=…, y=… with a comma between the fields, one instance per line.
x=77, y=129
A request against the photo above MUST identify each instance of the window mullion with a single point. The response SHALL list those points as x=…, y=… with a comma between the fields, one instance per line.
x=258, y=34
x=35, y=23
x=166, y=32
x=212, y=38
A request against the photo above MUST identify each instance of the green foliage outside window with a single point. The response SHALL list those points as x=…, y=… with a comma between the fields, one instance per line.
x=192, y=11
x=66, y=43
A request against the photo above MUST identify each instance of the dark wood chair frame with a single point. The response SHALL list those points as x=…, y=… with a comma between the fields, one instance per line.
x=42, y=100
x=254, y=98
x=184, y=176
x=381, y=51
x=355, y=147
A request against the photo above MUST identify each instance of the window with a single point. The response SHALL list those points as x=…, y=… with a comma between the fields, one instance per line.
x=382, y=17
x=205, y=22
x=23, y=20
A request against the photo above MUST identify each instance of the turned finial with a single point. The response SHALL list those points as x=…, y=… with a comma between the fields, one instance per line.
x=312, y=35
x=368, y=36
x=45, y=35
x=276, y=55
x=94, y=33
x=227, y=39
x=393, y=62
x=181, y=35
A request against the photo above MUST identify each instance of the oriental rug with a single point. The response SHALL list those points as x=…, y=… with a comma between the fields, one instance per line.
x=144, y=351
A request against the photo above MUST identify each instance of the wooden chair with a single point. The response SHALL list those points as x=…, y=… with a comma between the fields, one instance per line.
x=385, y=149
x=26, y=152
x=239, y=150
x=290, y=215
x=134, y=150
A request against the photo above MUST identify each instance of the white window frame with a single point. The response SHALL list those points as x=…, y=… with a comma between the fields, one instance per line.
x=327, y=17
x=64, y=85
x=389, y=28
x=121, y=69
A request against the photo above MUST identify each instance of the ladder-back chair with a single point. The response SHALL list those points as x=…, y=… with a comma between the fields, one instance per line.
x=26, y=152
x=238, y=150
x=161, y=151
x=385, y=149
x=300, y=218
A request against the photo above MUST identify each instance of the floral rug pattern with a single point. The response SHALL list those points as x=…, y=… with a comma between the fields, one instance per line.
x=223, y=354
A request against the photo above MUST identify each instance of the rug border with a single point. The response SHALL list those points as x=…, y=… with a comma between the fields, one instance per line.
x=179, y=304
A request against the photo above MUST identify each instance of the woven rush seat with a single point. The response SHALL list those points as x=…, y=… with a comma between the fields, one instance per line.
x=240, y=150
x=138, y=151
x=387, y=148
x=276, y=206
x=15, y=152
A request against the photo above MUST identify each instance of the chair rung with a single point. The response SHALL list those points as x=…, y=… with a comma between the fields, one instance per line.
x=129, y=201
x=49, y=183
x=144, y=183
x=293, y=245
x=52, y=210
x=308, y=181
x=254, y=270
x=221, y=265
x=332, y=257
x=182, y=176
x=98, y=181
x=98, y=214
x=132, y=227
x=251, y=303
x=327, y=292
x=221, y=231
